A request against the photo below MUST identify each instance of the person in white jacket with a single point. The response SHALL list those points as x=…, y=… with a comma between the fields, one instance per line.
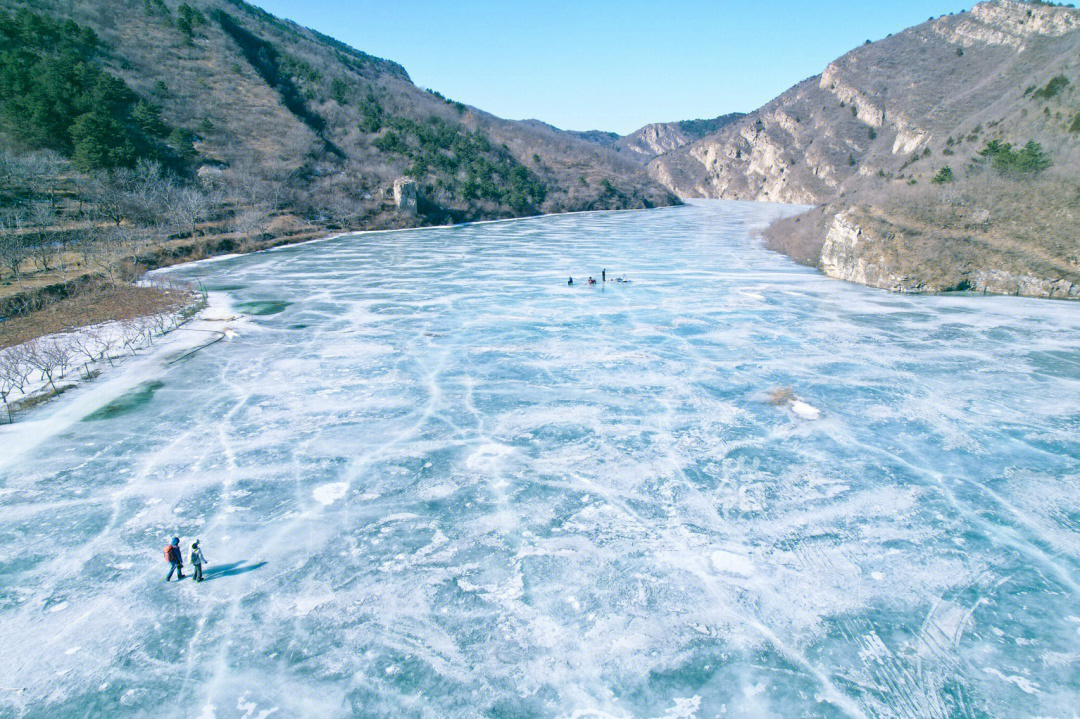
x=197, y=560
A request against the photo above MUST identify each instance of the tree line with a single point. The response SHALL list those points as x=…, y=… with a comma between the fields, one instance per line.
x=51, y=218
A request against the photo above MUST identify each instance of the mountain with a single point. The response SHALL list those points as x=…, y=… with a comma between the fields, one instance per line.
x=598, y=137
x=661, y=137
x=327, y=126
x=649, y=141
x=943, y=157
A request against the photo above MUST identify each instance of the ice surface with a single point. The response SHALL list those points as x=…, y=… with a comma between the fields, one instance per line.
x=437, y=481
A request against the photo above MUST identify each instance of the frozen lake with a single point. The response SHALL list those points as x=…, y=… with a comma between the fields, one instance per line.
x=433, y=481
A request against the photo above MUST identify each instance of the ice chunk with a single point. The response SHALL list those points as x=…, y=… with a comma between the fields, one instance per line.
x=804, y=410
x=330, y=493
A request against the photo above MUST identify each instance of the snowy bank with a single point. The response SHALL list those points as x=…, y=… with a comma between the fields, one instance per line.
x=118, y=356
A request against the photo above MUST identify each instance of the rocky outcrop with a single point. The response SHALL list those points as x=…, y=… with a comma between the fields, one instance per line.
x=848, y=254
x=406, y=196
x=862, y=252
x=871, y=111
x=655, y=139
x=1000, y=282
x=1008, y=22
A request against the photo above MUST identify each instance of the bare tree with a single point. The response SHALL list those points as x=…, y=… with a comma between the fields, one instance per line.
x=106, y=341
x=247, y=185
x=341, y=208
x=252, y=221
x=114, y=243
x=87, y=242
x=131, y=333
x=43, y=219
x=13, y=245
x=83, y=342
x=42, y=171
x=50, y=357
x=13, y=374
x=131, y=241
x=188, y=206
x=109, y=192
x=149, y=191
x=6, y=386
x=146, y=326
x=14, y=366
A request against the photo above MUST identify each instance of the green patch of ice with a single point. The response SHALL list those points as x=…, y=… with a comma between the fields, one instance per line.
x=262, y=307
x=128, y=402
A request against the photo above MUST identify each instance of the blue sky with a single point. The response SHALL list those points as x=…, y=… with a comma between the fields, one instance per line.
x=595, y=64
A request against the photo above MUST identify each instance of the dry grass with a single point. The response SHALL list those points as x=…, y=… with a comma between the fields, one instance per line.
x=780, y=396
x=984, y=221
x=800, y=237
x=99, y=303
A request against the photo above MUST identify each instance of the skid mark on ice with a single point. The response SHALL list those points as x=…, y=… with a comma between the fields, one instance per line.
x=999, y=532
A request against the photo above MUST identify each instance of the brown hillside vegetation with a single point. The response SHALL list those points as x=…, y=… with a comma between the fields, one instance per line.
x=164, y=131
x=899, y=135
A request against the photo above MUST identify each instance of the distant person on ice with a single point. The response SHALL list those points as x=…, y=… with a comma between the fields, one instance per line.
x=603, y=275
x=197, y=560
x=175, y=558
x=570, y=281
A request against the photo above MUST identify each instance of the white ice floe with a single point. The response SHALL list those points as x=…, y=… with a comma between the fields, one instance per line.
x=804, y=410
x=1026, y=685
x=684, y=708
x=330, y=493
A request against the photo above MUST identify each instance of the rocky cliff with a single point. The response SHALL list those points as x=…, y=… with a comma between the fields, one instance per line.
x=883, y=121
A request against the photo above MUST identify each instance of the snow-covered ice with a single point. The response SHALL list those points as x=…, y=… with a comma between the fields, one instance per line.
x=434, y=480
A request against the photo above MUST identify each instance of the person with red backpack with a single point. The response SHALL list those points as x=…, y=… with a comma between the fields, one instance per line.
x=175, y=557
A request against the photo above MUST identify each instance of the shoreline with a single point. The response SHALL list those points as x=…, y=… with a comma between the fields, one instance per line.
x=842, y=255
x=108, y=381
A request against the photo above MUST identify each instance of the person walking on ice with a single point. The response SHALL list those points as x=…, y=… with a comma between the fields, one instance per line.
x=197, y=560
x=175, y=557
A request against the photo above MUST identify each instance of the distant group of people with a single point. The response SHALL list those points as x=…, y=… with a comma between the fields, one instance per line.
x=603, y=278
x=175, y=557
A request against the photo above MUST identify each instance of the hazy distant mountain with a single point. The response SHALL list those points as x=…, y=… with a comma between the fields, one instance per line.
x=654, y=139
x=647, y=142
x=599, y=137
x=869, y=135
x=660, y=137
